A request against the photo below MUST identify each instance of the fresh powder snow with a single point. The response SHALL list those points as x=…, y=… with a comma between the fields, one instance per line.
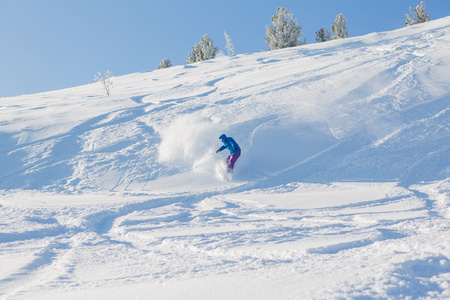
x=342, y=190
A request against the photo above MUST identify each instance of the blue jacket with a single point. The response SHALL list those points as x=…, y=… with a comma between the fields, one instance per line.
x=229, y=143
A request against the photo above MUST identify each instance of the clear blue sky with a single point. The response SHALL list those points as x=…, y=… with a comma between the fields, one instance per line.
x=47, y=45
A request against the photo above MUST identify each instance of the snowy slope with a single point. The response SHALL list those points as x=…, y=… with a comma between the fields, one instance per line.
x=342, y=189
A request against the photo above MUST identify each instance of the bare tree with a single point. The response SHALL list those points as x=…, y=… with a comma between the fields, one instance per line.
x=105, y=80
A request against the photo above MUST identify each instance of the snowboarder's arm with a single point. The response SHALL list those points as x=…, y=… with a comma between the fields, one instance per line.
x=220, y=149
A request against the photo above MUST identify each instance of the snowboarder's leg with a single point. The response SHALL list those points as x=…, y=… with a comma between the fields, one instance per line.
x=229, y=163
x=231, y=160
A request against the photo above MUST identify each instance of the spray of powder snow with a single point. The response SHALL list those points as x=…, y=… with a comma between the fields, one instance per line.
x=191, y=141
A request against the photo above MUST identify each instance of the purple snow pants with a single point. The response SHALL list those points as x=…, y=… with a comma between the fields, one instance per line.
x=231, y=160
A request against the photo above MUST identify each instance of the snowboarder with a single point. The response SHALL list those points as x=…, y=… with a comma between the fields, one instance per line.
x=235, y=151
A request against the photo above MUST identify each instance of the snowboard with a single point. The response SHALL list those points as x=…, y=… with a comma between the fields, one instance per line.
x=222, y=171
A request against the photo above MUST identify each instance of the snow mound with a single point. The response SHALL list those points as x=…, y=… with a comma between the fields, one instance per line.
x=366, y=108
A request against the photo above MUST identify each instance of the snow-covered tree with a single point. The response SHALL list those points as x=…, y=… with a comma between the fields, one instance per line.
x=165, y=63
x=323, y=35
x=420, y=15
x=285, y=32
x=229, y=46
x=202, y=51
x=339, y=28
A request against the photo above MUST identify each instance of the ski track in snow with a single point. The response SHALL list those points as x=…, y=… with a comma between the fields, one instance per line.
x=180, y=238
x=342, y=191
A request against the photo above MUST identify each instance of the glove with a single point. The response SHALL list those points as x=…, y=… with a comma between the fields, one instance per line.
x=235, y=149
x=217, y=151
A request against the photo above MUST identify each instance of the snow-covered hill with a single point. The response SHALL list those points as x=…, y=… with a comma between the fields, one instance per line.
x=342, y=189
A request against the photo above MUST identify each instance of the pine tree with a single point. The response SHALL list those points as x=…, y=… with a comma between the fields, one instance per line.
x=285, y=31
x=339, y=27
x=165, y=63
x=202, y=51
x=421, y=15
x=229, y=46
x=323, y=35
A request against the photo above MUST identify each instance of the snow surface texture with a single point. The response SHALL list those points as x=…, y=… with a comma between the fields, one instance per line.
x=342, y=190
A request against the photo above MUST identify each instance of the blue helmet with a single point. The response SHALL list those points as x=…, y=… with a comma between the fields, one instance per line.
x=223, y=137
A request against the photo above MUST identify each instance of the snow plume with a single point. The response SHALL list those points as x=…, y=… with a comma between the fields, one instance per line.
x=190, y=140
